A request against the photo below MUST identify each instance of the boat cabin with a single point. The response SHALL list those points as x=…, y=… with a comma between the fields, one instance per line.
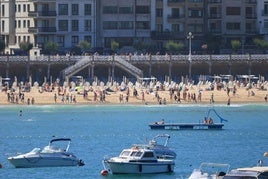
x=136, y=155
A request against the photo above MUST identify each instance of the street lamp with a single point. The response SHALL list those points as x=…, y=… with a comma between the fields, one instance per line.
x=190, y=36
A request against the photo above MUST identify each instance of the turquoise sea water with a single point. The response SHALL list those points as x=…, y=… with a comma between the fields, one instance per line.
x=99, y=131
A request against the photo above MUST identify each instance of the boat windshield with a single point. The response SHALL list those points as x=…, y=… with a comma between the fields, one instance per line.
x=125, y=154
x=136, y=154
x=36, y=150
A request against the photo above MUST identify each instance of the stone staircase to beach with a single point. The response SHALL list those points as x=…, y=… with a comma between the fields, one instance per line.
x=86, y=61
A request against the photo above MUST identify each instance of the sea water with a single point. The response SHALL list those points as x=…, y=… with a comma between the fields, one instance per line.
x=101, y=131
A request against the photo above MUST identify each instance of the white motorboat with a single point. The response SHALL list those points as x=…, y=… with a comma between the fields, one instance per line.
x=49, y=156
x=257, y=172
x=138, y=161
x=210, y=171
x=161, y=151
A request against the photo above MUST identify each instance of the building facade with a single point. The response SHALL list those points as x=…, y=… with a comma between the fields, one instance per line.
x=132, y=23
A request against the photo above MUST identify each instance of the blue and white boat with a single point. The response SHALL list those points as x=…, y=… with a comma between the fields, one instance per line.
x=49, y=156
x=138, y=161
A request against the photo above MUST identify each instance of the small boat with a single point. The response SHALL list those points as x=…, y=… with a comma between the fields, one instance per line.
x=207, y=123
x=161, y=150
x=49, y=156
x=257, y=172
x=210, y=171
x=138, y=161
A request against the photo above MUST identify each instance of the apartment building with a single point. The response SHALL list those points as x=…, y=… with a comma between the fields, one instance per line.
x=39, y=21
x=262, y=15
x=124, y=21
x=127, y=22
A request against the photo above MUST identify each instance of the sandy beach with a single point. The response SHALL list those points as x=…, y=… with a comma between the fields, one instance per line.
x=189, y=94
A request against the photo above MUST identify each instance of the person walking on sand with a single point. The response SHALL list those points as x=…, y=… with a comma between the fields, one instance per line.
x=212, y=99
x=229, y=102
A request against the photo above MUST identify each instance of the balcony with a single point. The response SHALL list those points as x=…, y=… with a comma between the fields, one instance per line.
x=39, y=30
x=214, y=1
x=42, y=14
x=251, y=16
x=174, y=2
x=215, y=31
x=176, y=17
x=251, y=1
x=167, y=35
x=214, y=16
x=42, y=1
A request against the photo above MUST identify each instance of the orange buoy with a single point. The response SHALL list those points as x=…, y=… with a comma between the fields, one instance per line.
x=104, y=172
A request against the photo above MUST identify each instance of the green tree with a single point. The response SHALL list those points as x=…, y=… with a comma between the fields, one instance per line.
x=236, y=44
x=51, y=48
x=114, y=45
x=2, y=46
x=84, y=45
x=261, y=44
x=25, y=47
x=173, y=47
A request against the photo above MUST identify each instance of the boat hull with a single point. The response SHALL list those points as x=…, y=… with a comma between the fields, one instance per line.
x=140, y=167
x=30, y=162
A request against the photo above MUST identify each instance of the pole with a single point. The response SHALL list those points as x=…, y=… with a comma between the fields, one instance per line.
x=190, y=36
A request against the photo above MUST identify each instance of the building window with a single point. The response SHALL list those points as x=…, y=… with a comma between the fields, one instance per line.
x=109, y=25
x=3, y=10
x=3, y=26
x=233, y=26
x=24, y=7
x=63, y=25
x=159, y=27
x=125, y=10
x=60, y=41
x=19, y=8
x=142, y=9
x=125, y=25
x=75, y=9
x=195, y=13
x=87, y=9
x=63, y=9
x=24, y=23
x=159, y=12
x=233, y=11
x=175, y=12
x=75, y=40
x=19, y=24
x=75, y=25
x=87, y=26
x=143, y=25
x=28, y=23
x=110, y=10
x=198, y=28
x=28, y=7
x=265, y=24
x=175, y=27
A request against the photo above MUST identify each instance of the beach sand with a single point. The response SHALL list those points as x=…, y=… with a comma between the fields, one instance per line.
x=242, y=95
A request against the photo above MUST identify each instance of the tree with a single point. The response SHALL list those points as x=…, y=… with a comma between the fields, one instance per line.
x=114, y=45
x=51, y=48
x=84, y=45
x=260, y=43
x=173, y=47
x=236, y=44
x=25, y=47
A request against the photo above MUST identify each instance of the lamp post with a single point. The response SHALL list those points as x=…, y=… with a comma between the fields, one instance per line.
x=190, y=36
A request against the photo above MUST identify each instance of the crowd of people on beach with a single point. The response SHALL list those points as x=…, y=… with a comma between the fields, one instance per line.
x=153, y=91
